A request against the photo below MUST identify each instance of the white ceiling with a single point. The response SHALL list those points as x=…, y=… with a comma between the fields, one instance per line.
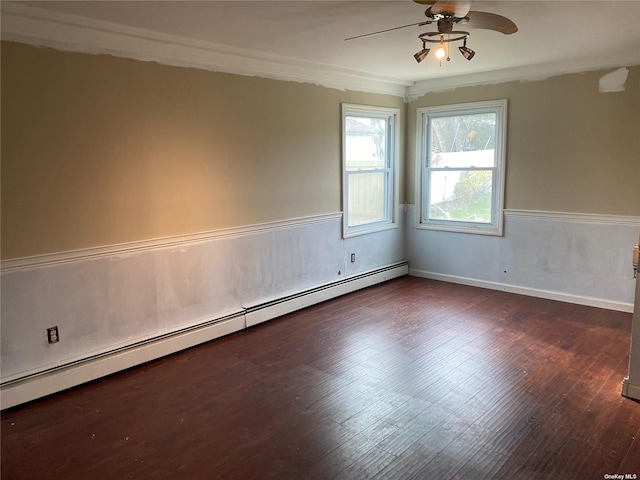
x=304, y=40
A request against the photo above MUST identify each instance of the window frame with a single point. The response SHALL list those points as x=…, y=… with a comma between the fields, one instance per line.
x=392, y=115
x=423, y=149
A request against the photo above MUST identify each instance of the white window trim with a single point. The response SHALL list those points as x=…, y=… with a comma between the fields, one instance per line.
x=497, y=225
x=391, y=203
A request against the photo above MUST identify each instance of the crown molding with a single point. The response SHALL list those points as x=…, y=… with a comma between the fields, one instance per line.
x=529, y=73
x=39, y=27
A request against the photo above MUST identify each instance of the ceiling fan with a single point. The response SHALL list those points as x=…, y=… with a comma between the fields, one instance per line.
x=447, y=15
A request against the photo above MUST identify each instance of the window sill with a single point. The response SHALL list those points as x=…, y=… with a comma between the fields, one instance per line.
x=366, y=229
x=492, y=230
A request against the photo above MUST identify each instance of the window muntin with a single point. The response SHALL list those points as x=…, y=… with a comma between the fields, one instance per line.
x=369, y=153
x=461, y=153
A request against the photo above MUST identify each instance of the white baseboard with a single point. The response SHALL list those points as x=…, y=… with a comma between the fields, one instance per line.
x=532, y=292
x=630, y=390
x=37, y=385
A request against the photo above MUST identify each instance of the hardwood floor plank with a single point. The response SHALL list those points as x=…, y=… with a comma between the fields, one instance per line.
x=368, y=465
x=631, y=462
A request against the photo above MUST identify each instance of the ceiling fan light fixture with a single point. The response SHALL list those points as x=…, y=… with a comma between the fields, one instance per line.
x=422, y=54
x=466, y=51
x=448, y=14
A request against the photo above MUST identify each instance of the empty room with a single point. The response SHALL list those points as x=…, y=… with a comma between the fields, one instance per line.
x=320, y=239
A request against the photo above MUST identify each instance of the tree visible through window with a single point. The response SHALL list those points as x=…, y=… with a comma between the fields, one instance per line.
x=462, y=167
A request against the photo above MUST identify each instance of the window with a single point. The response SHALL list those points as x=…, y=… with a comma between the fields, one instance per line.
x=369, y=152
x=461, y=152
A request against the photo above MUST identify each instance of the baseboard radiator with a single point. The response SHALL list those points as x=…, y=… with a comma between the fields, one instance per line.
x=35, y=385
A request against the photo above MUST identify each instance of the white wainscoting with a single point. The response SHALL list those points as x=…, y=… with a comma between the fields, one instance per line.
x=119, y=306
x=577, y=258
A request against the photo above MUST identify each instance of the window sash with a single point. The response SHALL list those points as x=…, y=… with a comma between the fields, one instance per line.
x=363, y=206
x=428, y=192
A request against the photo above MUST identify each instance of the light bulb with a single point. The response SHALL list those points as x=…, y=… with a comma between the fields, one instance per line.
x=440, y=52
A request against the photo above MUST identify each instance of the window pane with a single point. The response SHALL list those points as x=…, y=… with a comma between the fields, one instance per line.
x=365, y=142
x=366, y=198
x=461, y=196
x=463, y=141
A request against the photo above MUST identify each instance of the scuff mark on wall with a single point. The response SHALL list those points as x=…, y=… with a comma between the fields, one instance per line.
x=613, y=81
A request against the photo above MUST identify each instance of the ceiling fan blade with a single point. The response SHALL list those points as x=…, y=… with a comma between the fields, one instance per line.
x=427, y=22
x=489, y=21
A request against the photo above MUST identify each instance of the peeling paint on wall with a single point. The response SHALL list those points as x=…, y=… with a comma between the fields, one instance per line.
x=614, y=81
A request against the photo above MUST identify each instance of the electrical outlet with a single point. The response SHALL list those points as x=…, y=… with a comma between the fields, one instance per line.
x=353, y=258
x=52, y=335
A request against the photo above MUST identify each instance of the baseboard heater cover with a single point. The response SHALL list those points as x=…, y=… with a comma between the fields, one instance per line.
x=26, y=388
x=269, y=310
x=62, y=377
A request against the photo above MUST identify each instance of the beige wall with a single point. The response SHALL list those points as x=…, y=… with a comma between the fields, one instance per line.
x=98, y=150
x=569, y=147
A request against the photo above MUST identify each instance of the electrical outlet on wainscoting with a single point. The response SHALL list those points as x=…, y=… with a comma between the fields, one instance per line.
x=53, y=335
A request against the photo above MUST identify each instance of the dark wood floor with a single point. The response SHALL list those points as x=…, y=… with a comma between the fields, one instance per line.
x=409, y=379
